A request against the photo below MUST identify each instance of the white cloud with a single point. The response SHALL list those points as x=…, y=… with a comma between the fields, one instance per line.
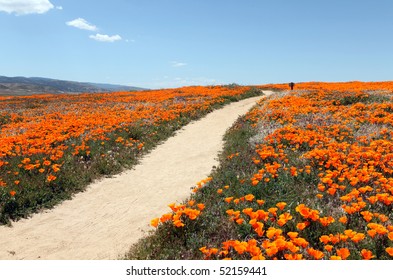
x=24, y=7
x=178, y=64
x=59, y=7
x=105, y=38
x=82, y=24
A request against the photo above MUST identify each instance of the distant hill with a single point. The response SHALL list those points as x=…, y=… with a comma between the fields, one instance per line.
x=35, y=85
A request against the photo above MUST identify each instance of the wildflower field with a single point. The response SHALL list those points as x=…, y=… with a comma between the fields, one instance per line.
x=306, y=174
x=52, y=146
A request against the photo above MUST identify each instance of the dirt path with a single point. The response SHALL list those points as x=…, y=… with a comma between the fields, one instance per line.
x=112, y=214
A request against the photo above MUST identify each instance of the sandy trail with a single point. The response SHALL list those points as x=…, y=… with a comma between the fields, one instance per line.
x=113, y=213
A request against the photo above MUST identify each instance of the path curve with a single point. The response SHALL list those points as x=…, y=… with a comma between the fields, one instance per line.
x=113, y=213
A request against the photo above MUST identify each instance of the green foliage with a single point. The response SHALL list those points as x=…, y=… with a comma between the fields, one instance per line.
x=4, y=119
x=350, y=99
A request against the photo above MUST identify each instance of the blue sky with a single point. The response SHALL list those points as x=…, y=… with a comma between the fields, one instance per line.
x=173, y=43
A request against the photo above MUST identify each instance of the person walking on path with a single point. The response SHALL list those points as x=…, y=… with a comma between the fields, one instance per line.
x=291, y=85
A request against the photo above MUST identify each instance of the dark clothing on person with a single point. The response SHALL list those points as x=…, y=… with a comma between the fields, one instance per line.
x=291, y=85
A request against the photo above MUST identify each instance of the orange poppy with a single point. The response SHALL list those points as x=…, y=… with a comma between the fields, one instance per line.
x=260, y=202
x=201, y=206
x=293, y=256
x=367, y=254
x=343, y=253
x=389, y=250
x=343, y=220
x=301, y=226
x=154, y=222
x=51, y=178
x=281, y=205
x=328, y=248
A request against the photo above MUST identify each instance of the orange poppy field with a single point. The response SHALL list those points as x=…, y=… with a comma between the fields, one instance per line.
x=52, y=146
x=306, y=174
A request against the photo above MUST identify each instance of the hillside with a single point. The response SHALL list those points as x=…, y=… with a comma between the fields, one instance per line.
x=36, y=85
